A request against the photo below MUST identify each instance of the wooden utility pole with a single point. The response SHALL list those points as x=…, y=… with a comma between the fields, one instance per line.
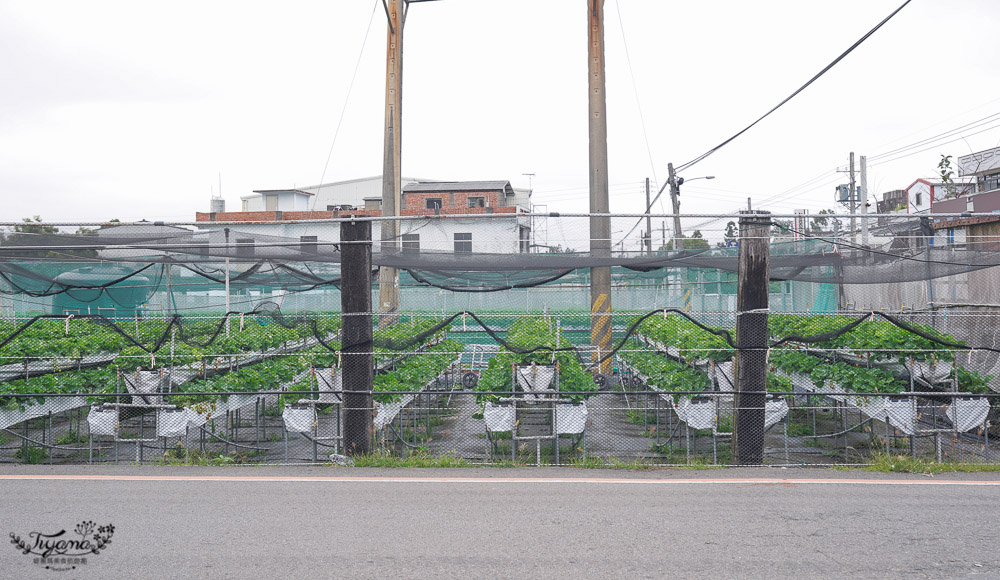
x=854, y=204
x=600, y=227
x=675, y=201
x=751, y=337
x=356, y=335
x=388, y=289
x=864, y=202
x=649, y=223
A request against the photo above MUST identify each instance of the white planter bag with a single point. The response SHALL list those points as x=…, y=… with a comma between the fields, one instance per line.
x=331, y=379
x=931, y=371
x=299, y=419
x=967, y=413
x=535, y=378
x=697, y=414
x=724, y=374
x=171, y=422
x=571, y=418
x=498, y=417
x=872, y=407
x=774, y=410
x=386, y=412
x=102, y=421
x=901, y=414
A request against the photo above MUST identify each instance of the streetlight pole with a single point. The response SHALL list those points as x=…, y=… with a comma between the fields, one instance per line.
x=675, y=194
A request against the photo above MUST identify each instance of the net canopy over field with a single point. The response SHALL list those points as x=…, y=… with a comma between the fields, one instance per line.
x=495, y=310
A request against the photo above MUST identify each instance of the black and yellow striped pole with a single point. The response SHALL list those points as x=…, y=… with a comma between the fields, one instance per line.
x=600, y=227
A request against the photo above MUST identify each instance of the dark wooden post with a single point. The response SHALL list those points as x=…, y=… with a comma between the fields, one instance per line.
x=356, y=334
x=751, y=337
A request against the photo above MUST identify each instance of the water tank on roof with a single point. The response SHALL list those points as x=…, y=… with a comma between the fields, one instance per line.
x=218, y=205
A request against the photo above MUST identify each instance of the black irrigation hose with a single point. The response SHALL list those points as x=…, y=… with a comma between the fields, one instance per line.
x=228, y=442
x=826, y=335
x=46, y=445
x=889, y=318
x=532, y=284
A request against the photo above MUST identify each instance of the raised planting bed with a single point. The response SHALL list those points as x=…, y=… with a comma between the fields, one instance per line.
x=497, y=381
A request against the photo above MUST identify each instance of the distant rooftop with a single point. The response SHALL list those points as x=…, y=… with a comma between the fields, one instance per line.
x=263, y=191
x=435, y=186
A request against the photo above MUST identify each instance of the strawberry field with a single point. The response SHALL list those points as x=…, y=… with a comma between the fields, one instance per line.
x=530, y=388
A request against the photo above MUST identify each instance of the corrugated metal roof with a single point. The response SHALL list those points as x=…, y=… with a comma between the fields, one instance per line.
x=262, y=191
x=457, y=186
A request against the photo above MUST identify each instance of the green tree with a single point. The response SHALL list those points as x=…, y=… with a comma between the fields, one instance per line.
x=34, y=232
x=695, y=242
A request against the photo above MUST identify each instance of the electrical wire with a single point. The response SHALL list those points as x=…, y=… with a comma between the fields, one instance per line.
x=347, y=98
x=797, y=91
x=635, y=91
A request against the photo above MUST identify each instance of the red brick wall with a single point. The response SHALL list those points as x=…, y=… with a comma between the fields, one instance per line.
x=450, y=200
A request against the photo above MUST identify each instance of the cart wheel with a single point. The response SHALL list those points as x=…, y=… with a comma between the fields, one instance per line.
x=601, y=381
x=470, y=380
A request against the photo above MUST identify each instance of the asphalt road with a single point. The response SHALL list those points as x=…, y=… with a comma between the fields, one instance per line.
x=322, y=522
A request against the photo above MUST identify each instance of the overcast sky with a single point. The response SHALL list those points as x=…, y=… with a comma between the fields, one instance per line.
x=132, y=110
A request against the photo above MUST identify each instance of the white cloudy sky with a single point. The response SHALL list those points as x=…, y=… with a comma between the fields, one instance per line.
x=131, y=110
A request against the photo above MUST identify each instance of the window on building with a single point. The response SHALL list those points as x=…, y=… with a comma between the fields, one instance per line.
x=951, y=236
x=411, y=242
x=918, y=199
x=463, y=243
x=434, y=203
x=990, y=182
x=525, y=239
x=476, y=201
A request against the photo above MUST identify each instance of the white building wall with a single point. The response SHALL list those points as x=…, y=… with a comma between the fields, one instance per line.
x=354, y=192
x=488, y=235
x=919, y=195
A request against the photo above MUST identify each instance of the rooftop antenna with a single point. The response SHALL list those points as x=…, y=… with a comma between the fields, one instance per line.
x=530, y=177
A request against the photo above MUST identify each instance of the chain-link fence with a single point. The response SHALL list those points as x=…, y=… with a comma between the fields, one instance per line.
x=489, y=388
x=485, y=341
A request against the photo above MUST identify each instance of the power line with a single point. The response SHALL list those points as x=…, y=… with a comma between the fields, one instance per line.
x=635, y=91
x=948, y=133
x=799, y=90
x=347, y=98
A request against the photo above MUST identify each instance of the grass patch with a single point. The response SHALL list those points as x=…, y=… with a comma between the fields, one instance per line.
x=181, y=455
x=891, y=463
x=35, y=454
x=415, y=458
x=69, y=438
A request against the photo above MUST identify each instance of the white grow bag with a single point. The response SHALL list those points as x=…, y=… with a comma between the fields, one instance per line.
x=299, y=419
x=386, y=412
x=775, y=410
x=967, y=413
x=535, y=378
x=172, y=422
x=872, y=407
x=498, y=417
x=571, y=419
x=901, y=413
x=698, y=414
x=330, y=379
x=102, y=421
x=10, y=417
